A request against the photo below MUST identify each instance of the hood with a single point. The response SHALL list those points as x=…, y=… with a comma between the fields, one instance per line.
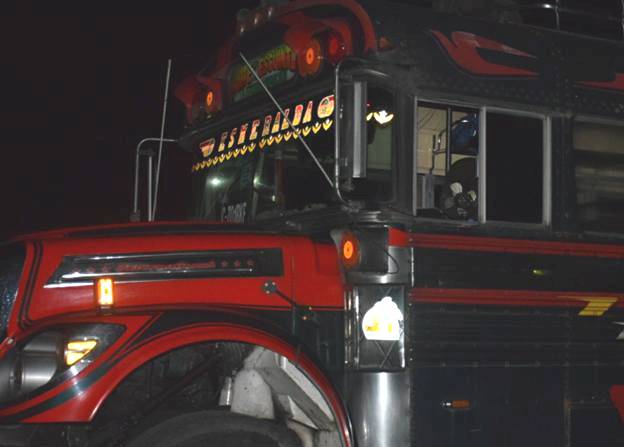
x=173, y=264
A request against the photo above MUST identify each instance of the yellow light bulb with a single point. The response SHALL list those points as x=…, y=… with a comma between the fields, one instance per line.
x=76, y=350
x=104, y=290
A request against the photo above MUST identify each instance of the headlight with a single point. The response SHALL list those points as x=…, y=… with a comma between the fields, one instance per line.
x=383, y=321
x=77, y=350
x=375, y=328
x=52, y=356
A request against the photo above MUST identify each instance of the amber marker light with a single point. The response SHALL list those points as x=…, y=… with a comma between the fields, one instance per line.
x=104, y=292
x=350, y=250
x=312, y=54
x=457, y=404
x=212, y=100
x=209, y=99
x=76, y=350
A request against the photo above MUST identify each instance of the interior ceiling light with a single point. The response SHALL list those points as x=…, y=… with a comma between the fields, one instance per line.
x=383, y=117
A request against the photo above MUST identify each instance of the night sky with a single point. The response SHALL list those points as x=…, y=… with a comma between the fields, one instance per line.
x=78, y=95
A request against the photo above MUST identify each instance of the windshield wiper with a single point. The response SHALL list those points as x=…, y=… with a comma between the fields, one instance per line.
x=290, y=124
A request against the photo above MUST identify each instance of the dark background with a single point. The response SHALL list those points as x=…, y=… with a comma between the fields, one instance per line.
x=78, y=93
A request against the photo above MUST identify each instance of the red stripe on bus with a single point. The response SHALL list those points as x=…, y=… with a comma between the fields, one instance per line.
x=502, y=245
x=536, y=298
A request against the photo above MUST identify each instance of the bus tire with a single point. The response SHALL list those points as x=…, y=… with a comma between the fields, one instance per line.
x=218, y=428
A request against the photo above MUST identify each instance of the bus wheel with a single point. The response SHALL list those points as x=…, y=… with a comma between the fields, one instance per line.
x=216, y=428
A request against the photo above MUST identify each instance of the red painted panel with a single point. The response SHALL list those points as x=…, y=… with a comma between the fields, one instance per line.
x=311, y=275
x=617, y=396
x=398, y=238
x=134, y=326
x=370, y=41
x=463, y=49
x=616, y=84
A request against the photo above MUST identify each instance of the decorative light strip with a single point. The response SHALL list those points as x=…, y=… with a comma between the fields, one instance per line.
x=273, y=129
x=264, y=142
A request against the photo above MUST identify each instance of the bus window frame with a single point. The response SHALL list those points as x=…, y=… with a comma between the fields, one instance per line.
x=399, y=97
x=547, y=168
x=572, y=194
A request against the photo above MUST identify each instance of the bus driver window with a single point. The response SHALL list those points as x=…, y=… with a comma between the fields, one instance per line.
x=447, y=162
x=449, y=169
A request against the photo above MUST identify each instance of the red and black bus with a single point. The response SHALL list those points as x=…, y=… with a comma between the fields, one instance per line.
x=407, y=230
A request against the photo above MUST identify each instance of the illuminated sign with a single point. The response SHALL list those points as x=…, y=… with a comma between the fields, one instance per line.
x=274, y=67
x=307, y=117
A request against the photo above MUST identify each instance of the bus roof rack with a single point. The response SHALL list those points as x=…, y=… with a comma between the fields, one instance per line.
x=579, y=17
x=604, y=19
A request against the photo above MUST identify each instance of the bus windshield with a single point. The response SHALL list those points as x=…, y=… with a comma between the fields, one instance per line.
x=257, y=168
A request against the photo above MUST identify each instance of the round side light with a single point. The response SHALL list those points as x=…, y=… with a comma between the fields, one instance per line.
x=209, y=99
x=212, y=97
x=311, y=58
x=349, y=250
x=336, y=50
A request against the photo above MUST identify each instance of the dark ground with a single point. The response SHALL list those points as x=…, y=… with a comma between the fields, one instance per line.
x=68, y=79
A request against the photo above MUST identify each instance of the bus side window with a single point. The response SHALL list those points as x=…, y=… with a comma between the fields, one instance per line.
x=599, y=170
x=448, y=168
x=447, y=162
x=514, y=170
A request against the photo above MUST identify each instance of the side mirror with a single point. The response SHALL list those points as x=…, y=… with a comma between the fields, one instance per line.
x=355, y=138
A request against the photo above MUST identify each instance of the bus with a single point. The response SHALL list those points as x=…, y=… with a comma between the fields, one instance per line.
x=407, y=229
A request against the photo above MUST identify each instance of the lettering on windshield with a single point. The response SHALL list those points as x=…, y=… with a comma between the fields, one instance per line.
x=234, y=213
x=312, y=116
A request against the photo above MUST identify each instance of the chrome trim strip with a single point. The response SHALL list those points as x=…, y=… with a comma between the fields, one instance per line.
x=77, y=271
x=547, y=172
x=482, y=165
x=415, y=160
